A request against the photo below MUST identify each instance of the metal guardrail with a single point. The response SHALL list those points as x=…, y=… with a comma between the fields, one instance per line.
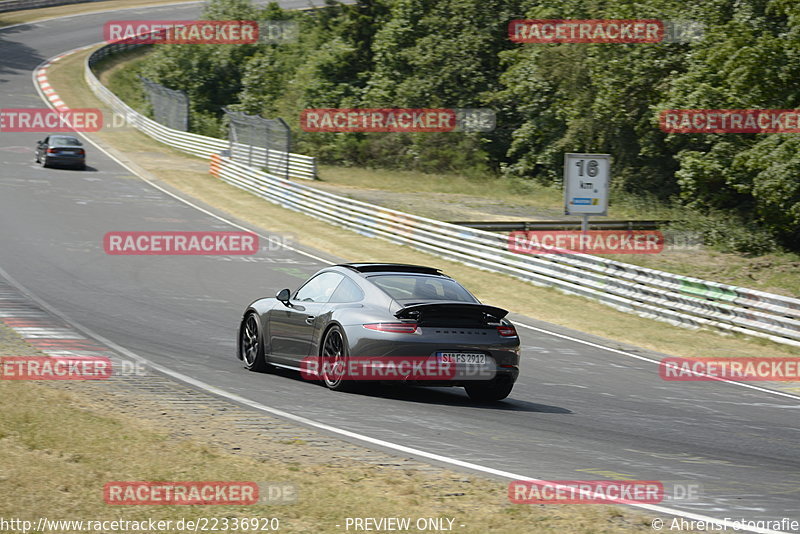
x=20, y=5
x=510, y=226
x=679, y=300
x=300, y=166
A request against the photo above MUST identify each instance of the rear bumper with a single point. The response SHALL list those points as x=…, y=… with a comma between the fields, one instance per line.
x=501, y=373
x=364, y=342
x=502, y=354
x=66, y=160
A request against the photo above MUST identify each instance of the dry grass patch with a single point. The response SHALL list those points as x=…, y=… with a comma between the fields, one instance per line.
x=63, y=441
x=454, y=197
x=546, y=304
x=35, y=15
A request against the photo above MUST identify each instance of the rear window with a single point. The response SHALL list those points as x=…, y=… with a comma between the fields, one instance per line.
x=64, y=141
x=417, y=287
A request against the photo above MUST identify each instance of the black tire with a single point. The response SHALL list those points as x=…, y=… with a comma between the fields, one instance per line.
x=251, y=345
x=334, y=350
x=44, y=162
x=82, y=167
x=491, y=390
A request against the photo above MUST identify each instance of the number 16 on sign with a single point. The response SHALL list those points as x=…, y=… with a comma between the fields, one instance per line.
x=586, y=179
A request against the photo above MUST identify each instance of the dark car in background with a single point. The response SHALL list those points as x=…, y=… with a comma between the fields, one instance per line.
x=61, y=150
x=381, y=314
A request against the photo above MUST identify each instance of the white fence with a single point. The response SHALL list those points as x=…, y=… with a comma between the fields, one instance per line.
x=679, y=300
x=300, y=166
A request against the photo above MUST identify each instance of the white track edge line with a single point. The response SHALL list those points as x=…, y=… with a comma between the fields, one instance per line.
x=324, y=261
x=347, y=433
x=164, y=190
x=764, y=390
x=657, y=362
x=322, y=426
x=31, y=23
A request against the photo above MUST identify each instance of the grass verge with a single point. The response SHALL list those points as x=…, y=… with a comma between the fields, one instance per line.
x=190, y=175
x=460, y=198
x=35, y=15
x=62, y=442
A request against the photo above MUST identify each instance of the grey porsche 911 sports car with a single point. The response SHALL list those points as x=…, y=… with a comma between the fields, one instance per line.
x=371, y=322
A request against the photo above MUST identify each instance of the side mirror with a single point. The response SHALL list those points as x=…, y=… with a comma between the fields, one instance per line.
x=284, y=295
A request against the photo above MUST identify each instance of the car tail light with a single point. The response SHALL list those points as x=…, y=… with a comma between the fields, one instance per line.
x=395, y=328
x=78, y=151
x=507, y=331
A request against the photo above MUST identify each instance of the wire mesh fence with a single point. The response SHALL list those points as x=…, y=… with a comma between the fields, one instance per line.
x=170, y=106
x=299, y=165
x=260, y=142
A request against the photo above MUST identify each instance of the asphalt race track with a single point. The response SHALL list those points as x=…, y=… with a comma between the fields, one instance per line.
x=577, y=412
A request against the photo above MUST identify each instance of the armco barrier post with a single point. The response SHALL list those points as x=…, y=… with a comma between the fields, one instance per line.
x=627, y=287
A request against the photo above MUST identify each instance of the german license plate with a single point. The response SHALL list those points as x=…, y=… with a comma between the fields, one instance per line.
x=468, y=358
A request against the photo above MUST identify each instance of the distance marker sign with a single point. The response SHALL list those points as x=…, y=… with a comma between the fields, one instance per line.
x=586, y=179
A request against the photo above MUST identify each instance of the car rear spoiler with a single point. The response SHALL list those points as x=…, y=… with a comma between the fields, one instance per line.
x=466, y=310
